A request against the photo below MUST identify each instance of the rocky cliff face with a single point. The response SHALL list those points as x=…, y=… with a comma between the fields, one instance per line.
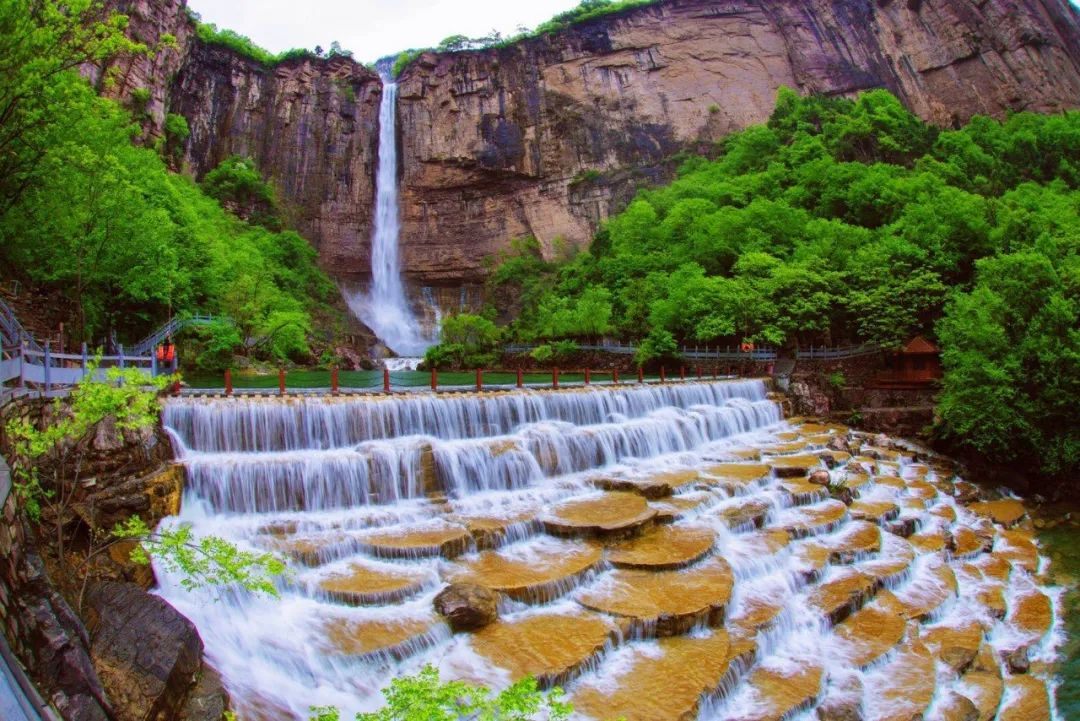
x=551, y=135
x=500, y=144
x=311, y=125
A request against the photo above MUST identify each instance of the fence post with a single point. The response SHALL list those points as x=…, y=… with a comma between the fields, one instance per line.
x=554, y=377
x=121, y=356
x=615, y=376
x=434, y=378
x=520, y=378
x=281, y=381
x=663, y=374
x=153, y=364
x=588, y=376
x=228, y=381
x=479, y=379
x=640, y=375
x=334, y=380
x=84, y=359
x=682, y=373
x=48, y=362
x=386, y=380
x=22, y=362
x=699, y=372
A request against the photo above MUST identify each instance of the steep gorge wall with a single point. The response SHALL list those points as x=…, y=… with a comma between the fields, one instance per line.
x=311, y=125
x=494, y=140
x=549, y=136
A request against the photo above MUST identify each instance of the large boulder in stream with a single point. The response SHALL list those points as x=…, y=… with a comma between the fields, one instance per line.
x=147, y=654
x=467, y=606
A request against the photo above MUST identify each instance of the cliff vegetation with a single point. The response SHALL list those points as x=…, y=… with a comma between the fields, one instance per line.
x=853, y=221
x=585, y=10
x=88, y=215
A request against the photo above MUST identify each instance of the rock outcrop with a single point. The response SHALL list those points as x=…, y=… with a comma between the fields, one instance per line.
x=550, y=135
x=146, y=653
x=467, y=606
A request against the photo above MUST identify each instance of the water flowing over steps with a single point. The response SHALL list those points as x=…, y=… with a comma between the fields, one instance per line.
x=664, y=553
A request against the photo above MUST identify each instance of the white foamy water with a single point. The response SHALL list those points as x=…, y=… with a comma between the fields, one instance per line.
x=327, y=481
x=385, y=307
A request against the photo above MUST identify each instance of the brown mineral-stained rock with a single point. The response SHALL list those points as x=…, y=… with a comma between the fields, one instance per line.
x=1007, y=512
x=146, y=653
x=607, y=515
x=209, y=700
x=956, y=646
x=553, y=648
x=467, y=606
x=542, y=576
x=664, y=686
x=671, y=602
x=1028, y=700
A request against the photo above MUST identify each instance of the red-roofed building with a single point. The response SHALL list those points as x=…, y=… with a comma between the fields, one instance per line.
x=916, y=365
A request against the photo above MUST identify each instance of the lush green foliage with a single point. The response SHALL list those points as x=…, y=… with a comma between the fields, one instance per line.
x=237, y=185
x=846, y=221
x=586, y=10
x=424, y=697
x=127, y=395
x=130, y=398
x=1012, y=360
x=210, y=34
x=86, y=212
x=466, y=341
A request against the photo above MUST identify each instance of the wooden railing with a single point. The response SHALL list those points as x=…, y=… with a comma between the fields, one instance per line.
x=704, y=353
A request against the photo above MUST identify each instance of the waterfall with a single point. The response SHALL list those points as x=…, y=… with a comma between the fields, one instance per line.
x=385, y=307
x=643, y=537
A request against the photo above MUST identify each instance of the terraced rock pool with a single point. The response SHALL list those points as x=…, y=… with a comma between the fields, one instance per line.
x=662, y=552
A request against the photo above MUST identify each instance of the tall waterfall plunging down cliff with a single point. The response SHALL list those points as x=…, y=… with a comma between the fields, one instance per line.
x=661, y=551
x=385, y=307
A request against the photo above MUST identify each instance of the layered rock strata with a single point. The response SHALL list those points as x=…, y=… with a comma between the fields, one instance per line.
x=549, y=136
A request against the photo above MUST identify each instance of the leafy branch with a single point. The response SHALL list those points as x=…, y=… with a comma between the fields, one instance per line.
x=208, y=561
x=424, y=697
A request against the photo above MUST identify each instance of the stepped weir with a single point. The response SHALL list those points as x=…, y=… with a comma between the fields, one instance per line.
x=662, y=552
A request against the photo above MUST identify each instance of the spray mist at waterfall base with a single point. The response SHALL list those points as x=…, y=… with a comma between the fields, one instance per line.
x=393, y=322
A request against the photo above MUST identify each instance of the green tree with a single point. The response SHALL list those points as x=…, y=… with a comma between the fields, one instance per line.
x=127, y=398
x=424, y=697
x=465, y=340
x=43, y=43
x=1011, y=350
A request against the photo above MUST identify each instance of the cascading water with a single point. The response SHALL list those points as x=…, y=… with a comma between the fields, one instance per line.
x=660, y=551
x=385, y=307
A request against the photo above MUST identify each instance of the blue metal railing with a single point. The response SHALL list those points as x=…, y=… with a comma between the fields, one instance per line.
x=835, y=352
x=11, y=330
x=174, y=326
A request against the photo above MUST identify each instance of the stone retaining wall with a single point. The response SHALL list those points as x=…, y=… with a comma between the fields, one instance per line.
x=84, y=677
x=41, y=628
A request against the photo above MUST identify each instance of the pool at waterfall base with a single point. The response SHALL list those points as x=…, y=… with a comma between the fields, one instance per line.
x=667, y=551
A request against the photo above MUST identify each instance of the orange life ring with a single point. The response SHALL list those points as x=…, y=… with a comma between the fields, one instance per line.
x=747, y=347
